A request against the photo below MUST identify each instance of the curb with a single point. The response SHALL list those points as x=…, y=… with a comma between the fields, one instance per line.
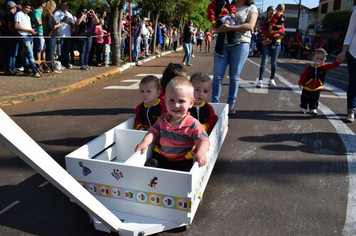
x=22, y=98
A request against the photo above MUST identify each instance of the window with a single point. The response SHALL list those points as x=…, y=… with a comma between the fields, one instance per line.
x=324, y=8
x=337, y=4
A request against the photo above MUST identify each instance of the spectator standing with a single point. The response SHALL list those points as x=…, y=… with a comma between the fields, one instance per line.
x=286, y=43
x=349, y=49
x=208, y=36
x=175, y=37
x=64, y=32
x=50, y=29
x=236, y=56
x=73, y=31
x=24, y=28
x=39, y=41
x=136, y=31
x=12, y=44
x=98, y=40
x=159, y=40
x=200, y=36
x=297, y=43
x=84, y=21
x=151, y=31
x=145, y=35
x=194, y=39
x=187, y=42
x=267, y=48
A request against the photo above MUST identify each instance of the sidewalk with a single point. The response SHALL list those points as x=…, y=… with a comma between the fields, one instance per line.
x=20, y=89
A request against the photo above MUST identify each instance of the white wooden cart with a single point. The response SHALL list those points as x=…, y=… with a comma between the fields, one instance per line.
x=109, y=180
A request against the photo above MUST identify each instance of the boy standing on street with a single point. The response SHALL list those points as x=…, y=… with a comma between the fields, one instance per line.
x=312, y=81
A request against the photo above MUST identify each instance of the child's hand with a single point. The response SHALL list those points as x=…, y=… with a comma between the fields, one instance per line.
x=200, y=154
x=200, y=158
x=300, y=86
x=270, y=29
x=232, y=15
x=339, y=59
x=141, y=147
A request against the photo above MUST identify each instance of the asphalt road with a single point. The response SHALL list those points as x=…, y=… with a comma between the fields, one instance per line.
x=278, y=173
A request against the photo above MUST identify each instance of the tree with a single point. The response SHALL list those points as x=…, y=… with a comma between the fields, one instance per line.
x=337, y=21
x=116, y=12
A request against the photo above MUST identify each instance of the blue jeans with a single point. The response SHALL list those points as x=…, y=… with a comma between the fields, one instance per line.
x=11, y=53
x=65, y=49
x=27, y=44
x=351, y=88
x=85, y=50
x=136, y=46
x=235, y=56
x=50, y=51
x=266, y=49
x=188, y=52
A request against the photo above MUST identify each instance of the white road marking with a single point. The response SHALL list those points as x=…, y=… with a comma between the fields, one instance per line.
x=250, y=86
x=349, y=139
x=133, y=86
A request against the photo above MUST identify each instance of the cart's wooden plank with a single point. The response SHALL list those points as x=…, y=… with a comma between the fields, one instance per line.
x=29, y=151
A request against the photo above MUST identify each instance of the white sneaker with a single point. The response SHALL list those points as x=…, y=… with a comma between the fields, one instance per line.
x=313, y=112
x=197, y=50
x=193, y=55
x=303, y=111
x=272, y=82
x=259, y=84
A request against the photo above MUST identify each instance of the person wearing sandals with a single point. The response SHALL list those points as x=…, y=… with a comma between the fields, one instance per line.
x=349, y=49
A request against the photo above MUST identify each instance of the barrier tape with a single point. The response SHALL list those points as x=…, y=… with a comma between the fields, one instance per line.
x=34, y=36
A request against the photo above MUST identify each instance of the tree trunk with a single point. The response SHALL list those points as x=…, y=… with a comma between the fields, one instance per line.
x=154, y=38
x=116, y=22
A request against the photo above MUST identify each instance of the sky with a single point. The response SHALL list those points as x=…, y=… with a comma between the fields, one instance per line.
x=267, y=3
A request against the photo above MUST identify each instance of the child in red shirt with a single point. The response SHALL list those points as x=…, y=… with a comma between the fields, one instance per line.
x=312, y=81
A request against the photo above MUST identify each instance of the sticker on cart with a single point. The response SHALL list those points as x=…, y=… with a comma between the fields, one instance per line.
x=142, y=197
x=168, y=201
x=153, y=182
x=93, y=188
x=155, y=199
x=85, y=170
x=104, y=190
x=117, y=174
x=129, y=195
x=116, y=192
x=82, y=183
x=183, y=204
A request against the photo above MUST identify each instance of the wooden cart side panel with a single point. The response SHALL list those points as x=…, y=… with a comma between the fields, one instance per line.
x=138, y=190
x=29, y=151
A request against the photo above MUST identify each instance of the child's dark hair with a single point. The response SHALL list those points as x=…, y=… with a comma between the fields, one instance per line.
x=201, y=76
x=151, y=79
x=172, y=70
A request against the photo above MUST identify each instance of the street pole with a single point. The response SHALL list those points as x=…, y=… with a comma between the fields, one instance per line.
x=299, y=7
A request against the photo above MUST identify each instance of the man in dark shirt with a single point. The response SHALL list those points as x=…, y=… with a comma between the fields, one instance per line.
x=11, y=43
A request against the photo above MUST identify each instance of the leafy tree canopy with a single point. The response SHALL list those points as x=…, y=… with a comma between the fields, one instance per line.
x=337, y=21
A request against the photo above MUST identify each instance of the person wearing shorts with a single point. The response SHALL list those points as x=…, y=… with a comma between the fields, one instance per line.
x=39, y=42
